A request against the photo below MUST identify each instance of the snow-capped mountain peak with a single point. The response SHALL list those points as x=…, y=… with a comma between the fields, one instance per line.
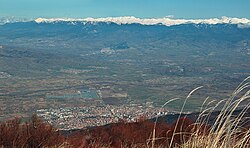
x=167, y=21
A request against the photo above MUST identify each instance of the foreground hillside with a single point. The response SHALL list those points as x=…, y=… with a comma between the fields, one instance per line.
x=36, y=133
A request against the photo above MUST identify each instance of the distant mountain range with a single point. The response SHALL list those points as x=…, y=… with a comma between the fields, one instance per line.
x=213, y=42
x=167, y=21
x=159, y=56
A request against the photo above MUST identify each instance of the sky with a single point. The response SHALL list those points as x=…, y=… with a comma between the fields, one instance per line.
x=187, y=9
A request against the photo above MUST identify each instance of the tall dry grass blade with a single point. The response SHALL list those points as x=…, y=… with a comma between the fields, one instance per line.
x=156, y=120
x=182, y=108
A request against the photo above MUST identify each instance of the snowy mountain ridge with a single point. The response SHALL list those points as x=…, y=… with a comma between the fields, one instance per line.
x=167, y=21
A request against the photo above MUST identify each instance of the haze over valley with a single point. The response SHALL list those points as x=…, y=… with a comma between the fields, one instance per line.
x=75, y=64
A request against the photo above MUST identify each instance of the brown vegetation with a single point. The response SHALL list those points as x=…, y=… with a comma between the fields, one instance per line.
x=138, y=134
x=35, y=133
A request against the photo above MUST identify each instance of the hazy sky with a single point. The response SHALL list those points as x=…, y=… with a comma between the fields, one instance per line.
x=137, y=8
